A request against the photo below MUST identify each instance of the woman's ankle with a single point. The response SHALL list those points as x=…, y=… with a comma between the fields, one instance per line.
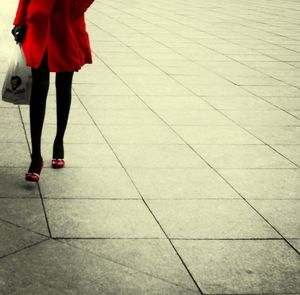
x=36, y=158
x=58, y=149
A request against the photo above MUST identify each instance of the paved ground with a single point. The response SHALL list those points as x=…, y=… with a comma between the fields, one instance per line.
x=183, y=156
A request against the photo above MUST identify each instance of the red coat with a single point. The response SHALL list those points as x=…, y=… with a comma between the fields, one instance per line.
x=57, y=26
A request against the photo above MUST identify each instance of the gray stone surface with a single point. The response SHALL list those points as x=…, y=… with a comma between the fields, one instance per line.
x=158, y=156
x=98, y=183
x=215, y=135
x=242, y=267
x=292, y=152
x=242, y=156
x=101, y=219
x=265, y=183
x=153, y=257
x=14, y=186
x=14, y=155
x=26, y=213
x=11, y=134
x=277, y=134
x=210, y=219
x=62, y=269
x=181, y=183
x=15, y=238
x=145, y=134
x=283, y=214
x=295, y=243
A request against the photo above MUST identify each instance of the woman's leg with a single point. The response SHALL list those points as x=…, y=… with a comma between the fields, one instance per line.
x=63, y=84
x=40, y=87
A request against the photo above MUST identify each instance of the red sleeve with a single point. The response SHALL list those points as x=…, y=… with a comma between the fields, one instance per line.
x=20, y=19
x=81, y=6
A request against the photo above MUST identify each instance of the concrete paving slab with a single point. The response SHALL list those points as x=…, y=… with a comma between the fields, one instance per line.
x=14, y=154
x=295, y=114
x=10, y=117
x=163, y=89
x=282, y=214
x=76, y=218
x=285, y=135
x=147, y=79
x=14, y=238
x=136, y=134
x=185, y=183
x=264, y=183
x=210, y=219
x=194, y=117
x=262, y=118
x=12, y=134
x=102, y=89
x=178, y=102
x=112, y=102
x=137, y=69
x=13, y=184
x=54, y=267
x=292, y=152
x=242, y=267
x=158, y=156
x=125, y=117
x=98, y=183
x=274, y=90
x=295, y=243
x=239, y=103
x=154, y=257
x=242, y=156
x=215, y=135
x=25, y=213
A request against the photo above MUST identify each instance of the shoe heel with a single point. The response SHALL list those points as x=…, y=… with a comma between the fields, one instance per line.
x=34, y=176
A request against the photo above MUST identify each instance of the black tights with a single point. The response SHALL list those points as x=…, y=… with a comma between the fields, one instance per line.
x=40, y=87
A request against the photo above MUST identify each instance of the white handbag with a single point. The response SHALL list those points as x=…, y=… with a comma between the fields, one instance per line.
x=18, y=80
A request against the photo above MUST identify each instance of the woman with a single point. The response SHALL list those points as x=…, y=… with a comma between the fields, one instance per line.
x=54, y=39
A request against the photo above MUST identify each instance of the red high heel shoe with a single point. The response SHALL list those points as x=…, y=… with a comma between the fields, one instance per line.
x=33, y=174
x=58, y=163
x=58, y=155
